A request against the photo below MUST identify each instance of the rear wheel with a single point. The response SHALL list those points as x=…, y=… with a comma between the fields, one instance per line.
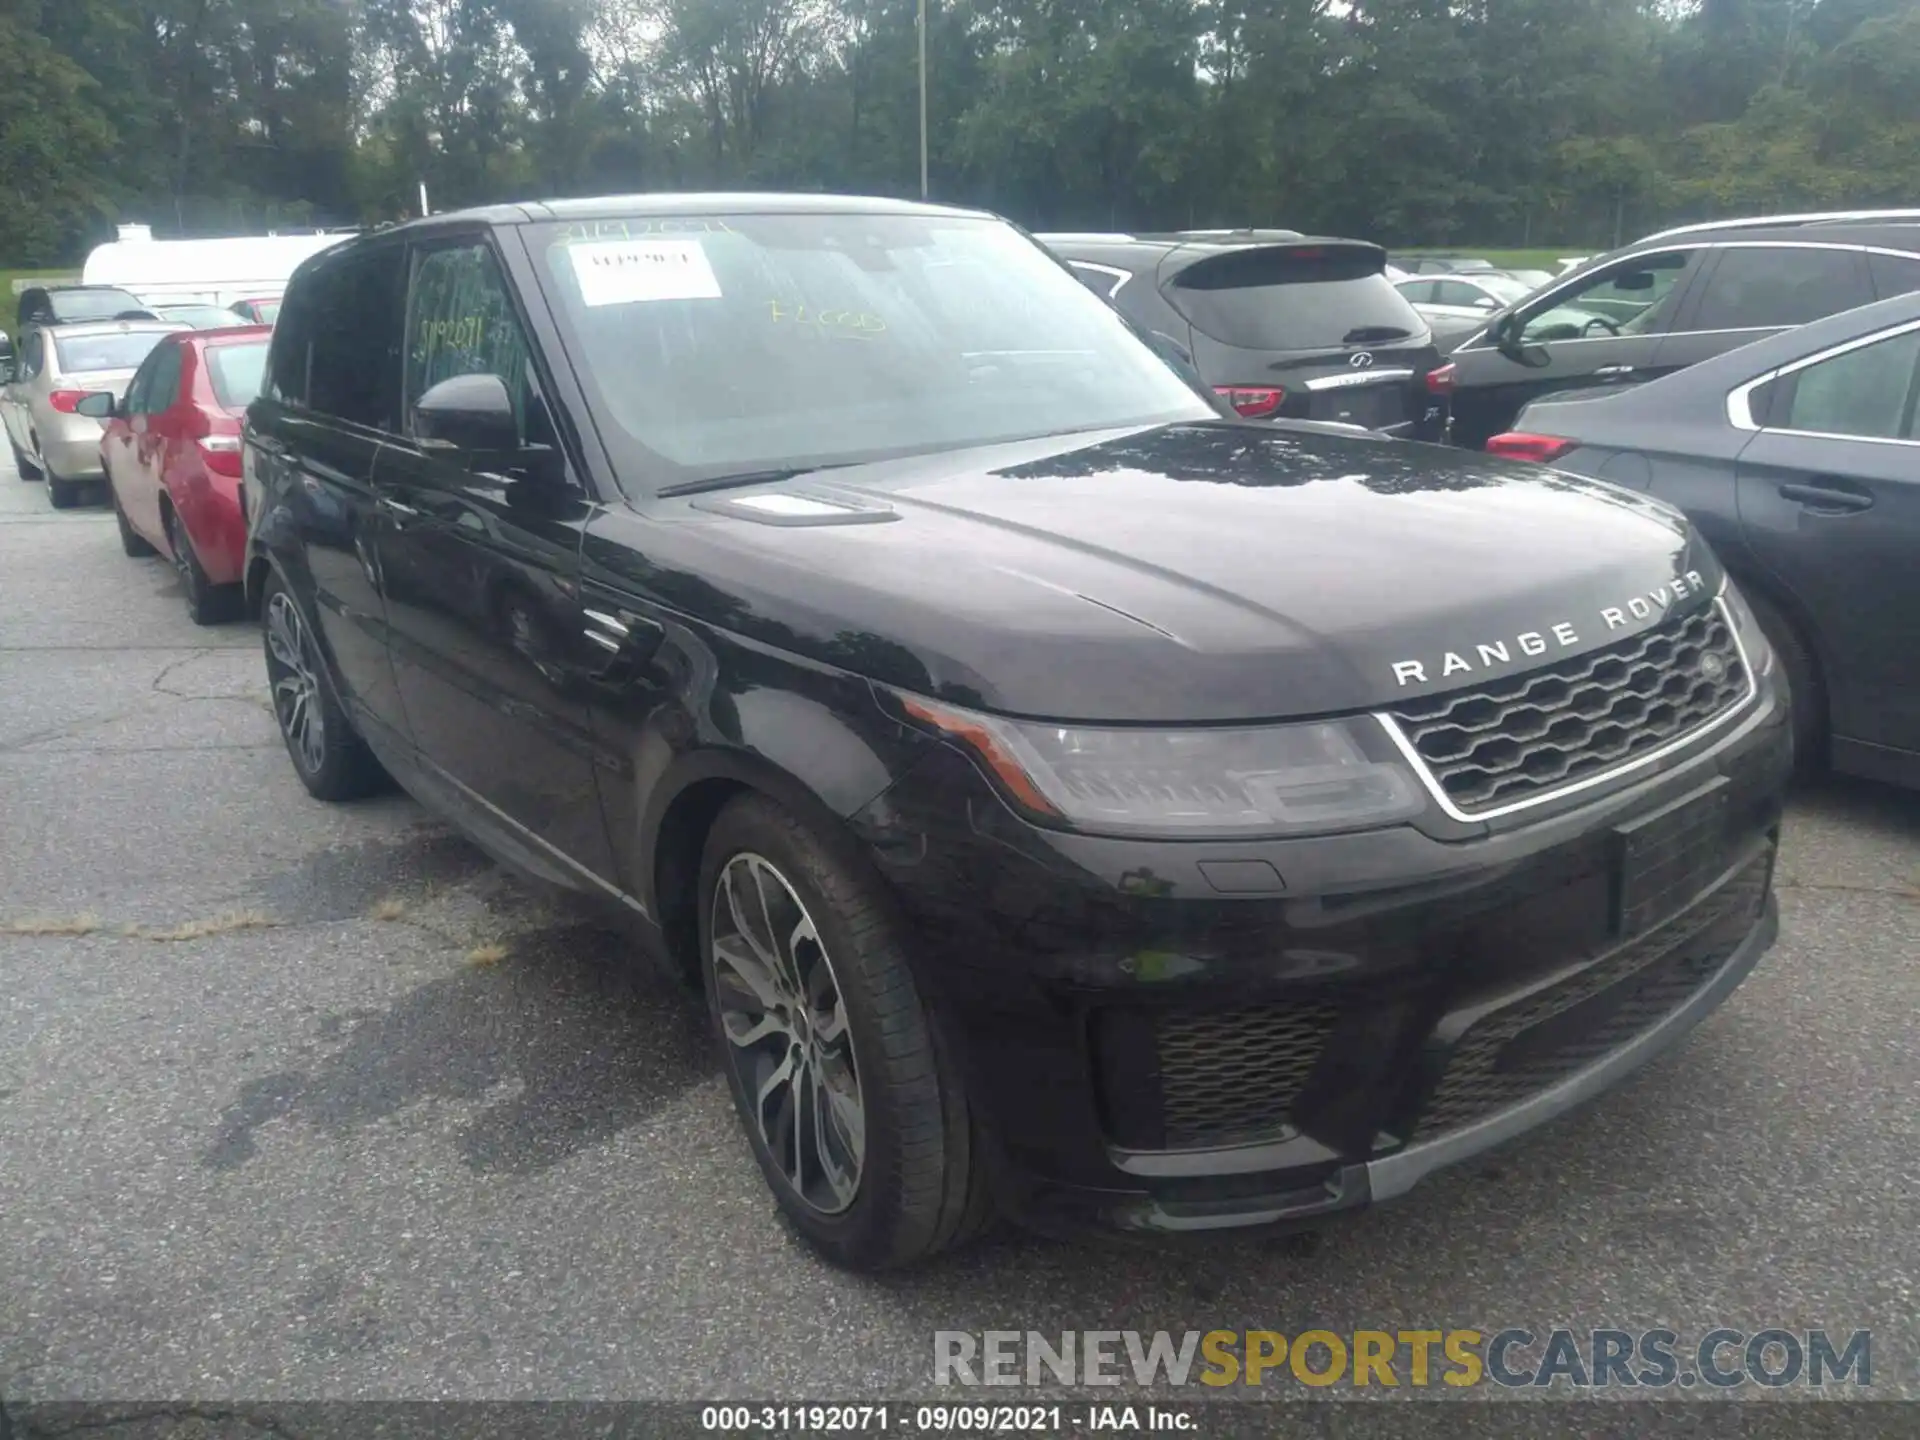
x=207, y=603
x=1805, y=694
x=130, y=539
x=22, y=466
x=857, y=1117
x=331, y=761
x=62, y=494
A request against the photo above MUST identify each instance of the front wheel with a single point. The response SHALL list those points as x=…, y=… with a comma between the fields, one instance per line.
x=131, y=541
x=331, y=761
x=61, y=494
x=1806, y=699
x=22, y=466
x=856, y=1114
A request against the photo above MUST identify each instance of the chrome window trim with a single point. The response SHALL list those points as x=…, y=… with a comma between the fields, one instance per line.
x=1445, y=803
x=1740, y=399
x=1472, y=341
x=1112, y=272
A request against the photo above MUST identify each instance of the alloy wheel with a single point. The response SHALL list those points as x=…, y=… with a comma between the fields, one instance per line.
x=785, y=1021
x=296, y=683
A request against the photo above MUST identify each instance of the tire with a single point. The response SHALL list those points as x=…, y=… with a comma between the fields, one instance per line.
x=915, y=1183
x=62, y=494
x=1806, y=697
x=22, y=466
x=331, y=761
x=207, y=603
x=130, y=539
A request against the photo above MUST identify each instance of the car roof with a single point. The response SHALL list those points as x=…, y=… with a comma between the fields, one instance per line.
x=623, y=207
x=1900, y=233
x=1141, y=252
x=110, y=327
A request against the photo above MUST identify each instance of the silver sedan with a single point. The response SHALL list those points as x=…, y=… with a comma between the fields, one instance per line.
x=55, y=366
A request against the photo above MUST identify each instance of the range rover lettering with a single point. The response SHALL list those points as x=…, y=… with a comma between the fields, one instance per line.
x=1066, y=794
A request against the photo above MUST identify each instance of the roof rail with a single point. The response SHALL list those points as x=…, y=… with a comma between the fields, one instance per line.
x=1828, y=217
x=1088, y=237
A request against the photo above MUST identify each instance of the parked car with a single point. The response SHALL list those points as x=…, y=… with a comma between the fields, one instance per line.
x=64, y=304
x=1446, y=265
x=1799, y=459
x=1473, y=295
x=57, y=365
x=1532, y=279
x=1673, y=300
x=826, y=498
x=1298, y=328
x=171, y=454
x=200, y=317
x=262, y=310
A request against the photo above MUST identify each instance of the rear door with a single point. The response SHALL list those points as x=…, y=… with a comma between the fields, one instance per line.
x=1753, y=289
x=1317, y=324
x=1829, y=495
x=143, y=453
x=1606, y=327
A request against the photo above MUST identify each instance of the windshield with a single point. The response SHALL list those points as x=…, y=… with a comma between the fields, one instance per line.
x=720, y=345
x=236, y=370
x=91, y=304
x=201, y=317
x=118, y=351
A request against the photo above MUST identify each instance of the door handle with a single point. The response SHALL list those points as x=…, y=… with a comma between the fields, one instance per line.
x=1822, y=497
x=1609, y=372
x=630, y=640
x=394, y=507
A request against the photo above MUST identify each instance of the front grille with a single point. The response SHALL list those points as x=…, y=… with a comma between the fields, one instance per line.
x=1526, y=735
x=1232, y=1075
x=1535, y=1043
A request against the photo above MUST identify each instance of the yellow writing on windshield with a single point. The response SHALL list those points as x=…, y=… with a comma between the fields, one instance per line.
x=850, y=324
x=639, y=229
x=459, y=330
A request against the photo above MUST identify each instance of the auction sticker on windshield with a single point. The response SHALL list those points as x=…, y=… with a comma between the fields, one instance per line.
x=627, y=272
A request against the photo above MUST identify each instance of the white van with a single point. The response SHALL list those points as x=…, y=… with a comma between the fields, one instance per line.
x=206, y=272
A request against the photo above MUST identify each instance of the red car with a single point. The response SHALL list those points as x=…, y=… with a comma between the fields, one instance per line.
x=262, y=311
x=171, y=451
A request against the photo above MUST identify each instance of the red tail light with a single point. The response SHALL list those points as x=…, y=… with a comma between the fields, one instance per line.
x=1540, y=449
x=67, y=402
x=1440, y=381
x=222, y=454
x=1252, y=401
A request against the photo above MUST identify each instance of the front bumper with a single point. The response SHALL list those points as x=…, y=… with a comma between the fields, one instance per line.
x=1194, y=1037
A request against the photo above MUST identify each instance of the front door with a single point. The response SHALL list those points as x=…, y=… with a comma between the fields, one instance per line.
x=481, y=561
x=139, y=463
x=1829, y=494
x=1605, y=328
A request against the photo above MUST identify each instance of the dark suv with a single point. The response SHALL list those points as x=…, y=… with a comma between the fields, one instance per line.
x=1674, y=299
x=1279, y=324
x=1073, y=800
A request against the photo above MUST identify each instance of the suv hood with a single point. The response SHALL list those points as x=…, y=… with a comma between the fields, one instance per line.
x=1194, y=572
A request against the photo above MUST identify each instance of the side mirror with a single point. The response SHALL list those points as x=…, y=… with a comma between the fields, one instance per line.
x=467, y=412
x=99, y=404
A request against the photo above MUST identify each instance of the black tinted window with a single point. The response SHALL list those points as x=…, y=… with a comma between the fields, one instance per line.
x=1263, y=300
x=352, y=324
x=1894, y=274
x=1780, y=285
x=287, y=353
x=1867, y=392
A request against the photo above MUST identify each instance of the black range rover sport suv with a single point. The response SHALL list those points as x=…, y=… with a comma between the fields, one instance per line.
x=1074, y=803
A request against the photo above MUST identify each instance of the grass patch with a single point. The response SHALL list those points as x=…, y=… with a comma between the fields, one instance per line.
x=229, y=923
x=1535, y=259
x=10, y=302
x=391, y=908
x=486, y=956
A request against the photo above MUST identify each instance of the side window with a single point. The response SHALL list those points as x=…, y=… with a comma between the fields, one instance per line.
x=1894, y=274
x=33, y=354
x=141, y=385
x=353, y=330
x=1456, y=292
x=1101, y=282
x=1868, y=392
x=1631, y=298
x=1760, y=286
x=288, y=353
x=461, y=321
x=163, y=385
x=1420, y=292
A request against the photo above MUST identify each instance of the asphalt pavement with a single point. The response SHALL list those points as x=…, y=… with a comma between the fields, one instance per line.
x=302, y=1101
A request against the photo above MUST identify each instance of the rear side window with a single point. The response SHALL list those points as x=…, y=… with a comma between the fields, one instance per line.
x=1262, y=299
x=351, y=324
x=1894, y=274
x=1771, y=286
x=163, y=386
x=1868, y=392
x=80, y=353
x=236, y=372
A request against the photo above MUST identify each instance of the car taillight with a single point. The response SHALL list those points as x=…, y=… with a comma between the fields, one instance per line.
x=1440, y=381
x=1519, y=445
x=67, y=402
x=222, y=454
x=1252, y=401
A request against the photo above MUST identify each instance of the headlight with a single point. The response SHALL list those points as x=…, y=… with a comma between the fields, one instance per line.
x=1273, y=780
x=1746, y=628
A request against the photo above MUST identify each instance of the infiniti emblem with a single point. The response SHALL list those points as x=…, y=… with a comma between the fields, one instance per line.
x=1361, y=359
x=1712, y=667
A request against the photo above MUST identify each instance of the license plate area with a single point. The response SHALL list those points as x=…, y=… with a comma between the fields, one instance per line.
x=1374, y=406
x=1663, y=860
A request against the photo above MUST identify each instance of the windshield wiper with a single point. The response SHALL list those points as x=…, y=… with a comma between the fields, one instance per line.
x=1364, y=333
x=744, y=478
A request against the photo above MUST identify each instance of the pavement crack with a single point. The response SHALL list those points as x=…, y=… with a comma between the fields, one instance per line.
x=1842, y=887
x=24, y=1423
